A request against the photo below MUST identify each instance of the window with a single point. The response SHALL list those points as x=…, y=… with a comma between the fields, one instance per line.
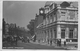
x=70, y=33
x=63, y=33
x=55, y=33
x=50, y=18
x=54, y=17
x=72, y=14
x=74, y=40
x=67, y=40
x=63, y=13
x=51, y=33
x=48, y=33
x=51, y=7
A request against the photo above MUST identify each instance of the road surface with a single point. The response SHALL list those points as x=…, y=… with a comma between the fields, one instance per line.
x=36, y=46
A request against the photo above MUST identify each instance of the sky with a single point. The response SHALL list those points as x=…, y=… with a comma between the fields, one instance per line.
x=21, y=12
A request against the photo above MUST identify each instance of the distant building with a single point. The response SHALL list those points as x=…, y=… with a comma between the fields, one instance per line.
x=7, y=28
x=60, y=23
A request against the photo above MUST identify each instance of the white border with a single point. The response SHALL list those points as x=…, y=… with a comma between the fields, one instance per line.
x=1, y=8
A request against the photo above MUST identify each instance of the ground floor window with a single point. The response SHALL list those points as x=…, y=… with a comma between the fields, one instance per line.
x=74, y=40
x=55, y=33
x=51, y=33
x=71, y=33
x=62, y=33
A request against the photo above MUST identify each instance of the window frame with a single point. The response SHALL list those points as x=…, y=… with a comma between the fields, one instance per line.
x=71, y=33
x=63, y=33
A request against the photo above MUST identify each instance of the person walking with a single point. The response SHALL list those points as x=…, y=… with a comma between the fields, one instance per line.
x=50, y=42
x=60, y=42
x=64, y=43
x=57, y=42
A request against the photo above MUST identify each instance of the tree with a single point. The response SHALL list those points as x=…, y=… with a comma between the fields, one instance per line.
x=30, y=26
x=3, y=26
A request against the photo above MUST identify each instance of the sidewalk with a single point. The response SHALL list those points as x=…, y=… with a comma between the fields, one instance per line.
x=46, y=44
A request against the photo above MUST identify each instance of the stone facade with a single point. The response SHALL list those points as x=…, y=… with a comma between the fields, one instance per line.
x=60, y=23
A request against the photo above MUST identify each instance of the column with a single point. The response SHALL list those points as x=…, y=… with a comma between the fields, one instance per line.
x=46, y=34
x=76, y=16
x=53, y=32
x=67, y=33
x=58, y=32
x=48, y=19
x=49, y=34
x=75, y=34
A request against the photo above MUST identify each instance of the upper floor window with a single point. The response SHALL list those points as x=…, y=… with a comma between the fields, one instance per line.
x=72, y=14
x=51, y=6
x=63, y=13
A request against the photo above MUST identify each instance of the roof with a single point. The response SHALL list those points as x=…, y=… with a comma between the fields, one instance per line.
x=75, y=4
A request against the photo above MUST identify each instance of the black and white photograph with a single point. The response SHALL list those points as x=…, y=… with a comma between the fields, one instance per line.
x=42, y=25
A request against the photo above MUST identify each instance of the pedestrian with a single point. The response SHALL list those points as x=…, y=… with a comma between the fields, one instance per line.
x=64, y=43
x=57, y=42
x=60, y=42
x=50, y=42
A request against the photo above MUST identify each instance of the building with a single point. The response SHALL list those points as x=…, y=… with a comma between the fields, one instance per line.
x=60, y=22
x=38, y=21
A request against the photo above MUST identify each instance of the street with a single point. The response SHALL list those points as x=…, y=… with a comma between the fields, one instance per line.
x=36, y=46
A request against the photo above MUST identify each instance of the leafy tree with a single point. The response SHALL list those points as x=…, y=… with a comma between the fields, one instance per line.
x=30, y=26
x=3, y=26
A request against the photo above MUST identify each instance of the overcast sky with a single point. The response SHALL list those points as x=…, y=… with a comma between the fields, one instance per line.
x=21, y=12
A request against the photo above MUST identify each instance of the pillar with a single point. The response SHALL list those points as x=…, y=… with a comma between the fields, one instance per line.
x=58, y=32
x=53, y=33
x=67, y=33
x=48, y=35
x=75, y=34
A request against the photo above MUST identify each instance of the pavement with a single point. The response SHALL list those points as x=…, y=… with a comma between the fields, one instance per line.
x=65, y=47
x=46, y=44
x=34, y=45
